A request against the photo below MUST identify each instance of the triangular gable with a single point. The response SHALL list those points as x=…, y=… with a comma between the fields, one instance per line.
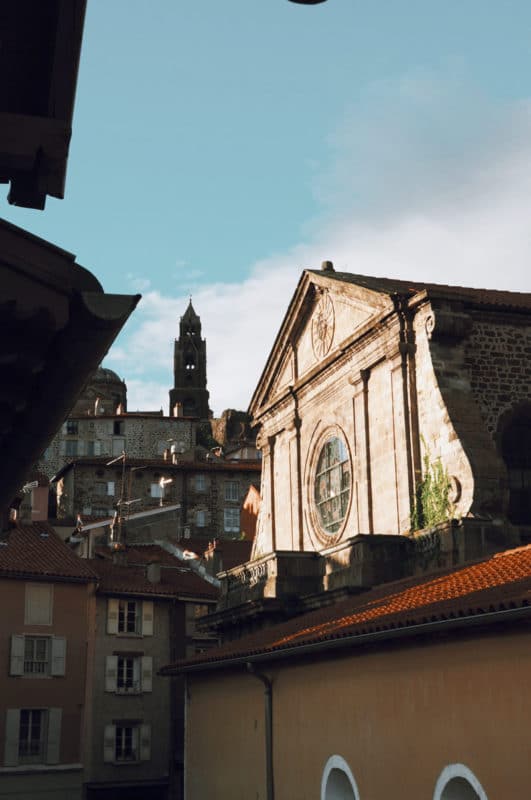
x=326, y=310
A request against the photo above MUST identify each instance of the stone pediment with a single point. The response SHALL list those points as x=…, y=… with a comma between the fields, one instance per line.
x=326, y=311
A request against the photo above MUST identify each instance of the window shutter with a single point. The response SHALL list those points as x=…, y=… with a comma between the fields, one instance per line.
x=53, y=750
x=145, y=742
x=17, y=655
x=111, y=671
x=12, y=729
x=97, y=447
x=112, y=615
x=80, y=447
x=110, y=488
x=147, y=673
x=62, y=448
x=58, y=655
x=109, y=742
x=147, y=618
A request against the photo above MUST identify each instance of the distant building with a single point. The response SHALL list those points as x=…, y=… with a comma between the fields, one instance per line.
x=208, y=491
x=47, y=649
x=147, y=605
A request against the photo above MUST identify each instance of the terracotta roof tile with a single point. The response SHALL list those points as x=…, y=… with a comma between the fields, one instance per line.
x=501, y=581
x=36, y=550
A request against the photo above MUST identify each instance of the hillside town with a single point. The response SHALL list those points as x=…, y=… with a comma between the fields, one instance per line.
x=326, y=595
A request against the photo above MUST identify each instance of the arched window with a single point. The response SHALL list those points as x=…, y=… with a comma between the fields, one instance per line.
x=516, y=452
x=338, y=781
x=457, y=782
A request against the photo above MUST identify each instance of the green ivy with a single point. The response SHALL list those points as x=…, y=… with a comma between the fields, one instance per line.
x=432, y=497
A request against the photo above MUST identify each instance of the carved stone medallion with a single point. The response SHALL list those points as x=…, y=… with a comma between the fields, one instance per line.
x=323, y=326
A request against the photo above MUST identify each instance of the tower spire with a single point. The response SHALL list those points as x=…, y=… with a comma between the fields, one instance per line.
x=189, y=391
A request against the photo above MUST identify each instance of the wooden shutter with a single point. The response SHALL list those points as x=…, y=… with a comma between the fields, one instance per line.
x=145, y=742
x=147, y=618
x=53, y=749
x=109, y=743
x=58, y=655
x=112, y=615
x=97, y=447
x=147, y=673
x=80, y=447
x=111, y=672
x=11, y=744
x=16, y=666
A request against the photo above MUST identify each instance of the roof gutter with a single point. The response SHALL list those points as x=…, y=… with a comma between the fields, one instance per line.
x=356, y=640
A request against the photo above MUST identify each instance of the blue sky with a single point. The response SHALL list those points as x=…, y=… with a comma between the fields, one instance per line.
x=220, y=146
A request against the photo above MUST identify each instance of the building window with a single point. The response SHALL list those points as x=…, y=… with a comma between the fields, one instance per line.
x=232, y=490
x=119, y=427
x=71, y=447
x=332, y=484
x=156, y=490
x=337, y=782
x=200, y=518
x=110, y=488
x=118, y=446
x=38, y=604
x=32, y=736
x=128, y=673
x=126, y=742
x=71, y=427
x=37, y=656
x=100, y=511
x=457, y=782
x=93, y=448
x=130, y=617
x=231, y=520
x=200, y=483
x=515, y=447
x=100, y=488
x=31, y=739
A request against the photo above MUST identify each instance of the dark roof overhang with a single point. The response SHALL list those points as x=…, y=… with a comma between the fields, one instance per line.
x=39, y=58
x=57, y=325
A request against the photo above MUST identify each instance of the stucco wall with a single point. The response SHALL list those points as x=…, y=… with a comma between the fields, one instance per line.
x=398, y=716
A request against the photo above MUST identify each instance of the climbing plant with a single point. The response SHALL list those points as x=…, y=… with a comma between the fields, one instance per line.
x=432, y=497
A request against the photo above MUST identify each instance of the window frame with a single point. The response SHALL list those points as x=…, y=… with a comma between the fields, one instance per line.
x=231, y=512
x=232, y=491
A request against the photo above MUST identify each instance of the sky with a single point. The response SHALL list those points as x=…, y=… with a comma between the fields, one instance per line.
x=220, y=147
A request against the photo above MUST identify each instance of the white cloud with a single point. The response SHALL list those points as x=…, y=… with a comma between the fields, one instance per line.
x=425, y=181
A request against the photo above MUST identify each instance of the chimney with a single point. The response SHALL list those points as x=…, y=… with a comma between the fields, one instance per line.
x=214, y=557
x=178, y=410
x=327, y=266
x=153, y=572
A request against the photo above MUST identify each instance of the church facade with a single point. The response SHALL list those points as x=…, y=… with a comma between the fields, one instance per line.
x=374, y=643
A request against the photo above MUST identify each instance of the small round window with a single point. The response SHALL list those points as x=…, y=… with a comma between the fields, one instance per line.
x=332, y=484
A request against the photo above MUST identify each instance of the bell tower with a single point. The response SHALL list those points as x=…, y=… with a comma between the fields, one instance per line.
x=189, y=368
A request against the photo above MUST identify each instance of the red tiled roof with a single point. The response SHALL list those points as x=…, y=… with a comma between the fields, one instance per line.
x=219, y=465
x=500, y=582
x=129, y=577
x=36, y=550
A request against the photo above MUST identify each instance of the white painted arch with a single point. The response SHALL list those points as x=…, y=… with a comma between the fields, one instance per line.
x=458, y=782
x=338, y=782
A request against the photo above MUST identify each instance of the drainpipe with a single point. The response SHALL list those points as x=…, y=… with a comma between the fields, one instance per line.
x=268, y=711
